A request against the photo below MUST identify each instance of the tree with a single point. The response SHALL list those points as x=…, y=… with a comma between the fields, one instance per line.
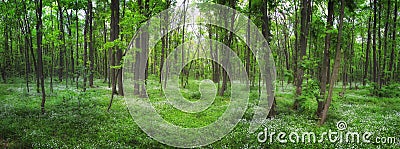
x=85, y=46
x=305, y=17
x=392, y=54
x=91, y=49
x=367, y=51
x=62, y=38
x=326, y=59
x=114, y=36
x=115, y=28
x=77, y=44
x=335, y=70
x=228, y=42
x=374, y=56
x=39, y=50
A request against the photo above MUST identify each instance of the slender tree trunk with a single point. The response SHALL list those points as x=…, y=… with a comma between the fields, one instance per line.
x=114, y=36
x=77, y=45
x=228, y=43
x=391, y=62
x=27, y=63
x=119, y=52
x=33, y=55
x=137, y=58
x=383, y=74
x=71, y=47
x=326, y=59
x=163, y=45
x=374, y=56
x=144, y=52
x=39, y=50
x=303, y=48
x=61, y=37
x=248, y=51
x=27, y=44
x=91, y=49
x=5, y=57
x=52, y=67
x=184, y=71
x=367, y=51
x=85, y=46
x=106, y=62
x=286, y=43
x=335, y=70
x=296, y=42
x=379, y=48
x=52, y=53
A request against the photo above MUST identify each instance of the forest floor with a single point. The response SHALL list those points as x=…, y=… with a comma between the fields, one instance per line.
x=76, y=119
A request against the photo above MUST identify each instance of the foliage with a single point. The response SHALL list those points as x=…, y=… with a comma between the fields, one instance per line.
x=76, y=119
x=310, y=90
x=391, y=90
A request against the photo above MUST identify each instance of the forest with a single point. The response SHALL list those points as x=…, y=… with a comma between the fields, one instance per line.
x=199, y=73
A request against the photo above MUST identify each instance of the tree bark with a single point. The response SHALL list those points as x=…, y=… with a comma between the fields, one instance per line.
x=114, y=36
x=383, y=74
x=228, y=43
x=119, y=51
x=85, y=47
x=303, y=48
x=26, y=39
x=367, y=52
x=391, y=62
x=335, y=70
x=374, y=56
x=326, y=59
x=39, y=50
x=61, y=37
x=77, y=44
x=91, y=49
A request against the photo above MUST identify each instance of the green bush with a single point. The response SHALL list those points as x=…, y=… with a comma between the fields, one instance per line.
x=309, y=93
x=391, y=90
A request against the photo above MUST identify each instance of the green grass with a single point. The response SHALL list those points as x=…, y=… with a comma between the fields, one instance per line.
x=75, y=119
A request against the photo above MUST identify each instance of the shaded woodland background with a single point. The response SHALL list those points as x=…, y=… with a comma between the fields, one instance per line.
x=316, y=45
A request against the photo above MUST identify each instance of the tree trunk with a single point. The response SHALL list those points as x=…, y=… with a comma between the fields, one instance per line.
x=114, y=36
x=228, y=43
x=69, y=17
x=367, y=51
x=383, y=74
x=324, y=69
x=39, y=50
x=52, y=53
x=106, y=62
x=119, y=51
x=91, y=49
x=5, y=62
x=77, y=45
x=374, y=57
x=326, y=59
x=61, y=37
x=391, y=62
x=303, y=47
x=248, y=51
x=85, y=46
x=335, y=70
x=25, y=32
x=184, y=71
